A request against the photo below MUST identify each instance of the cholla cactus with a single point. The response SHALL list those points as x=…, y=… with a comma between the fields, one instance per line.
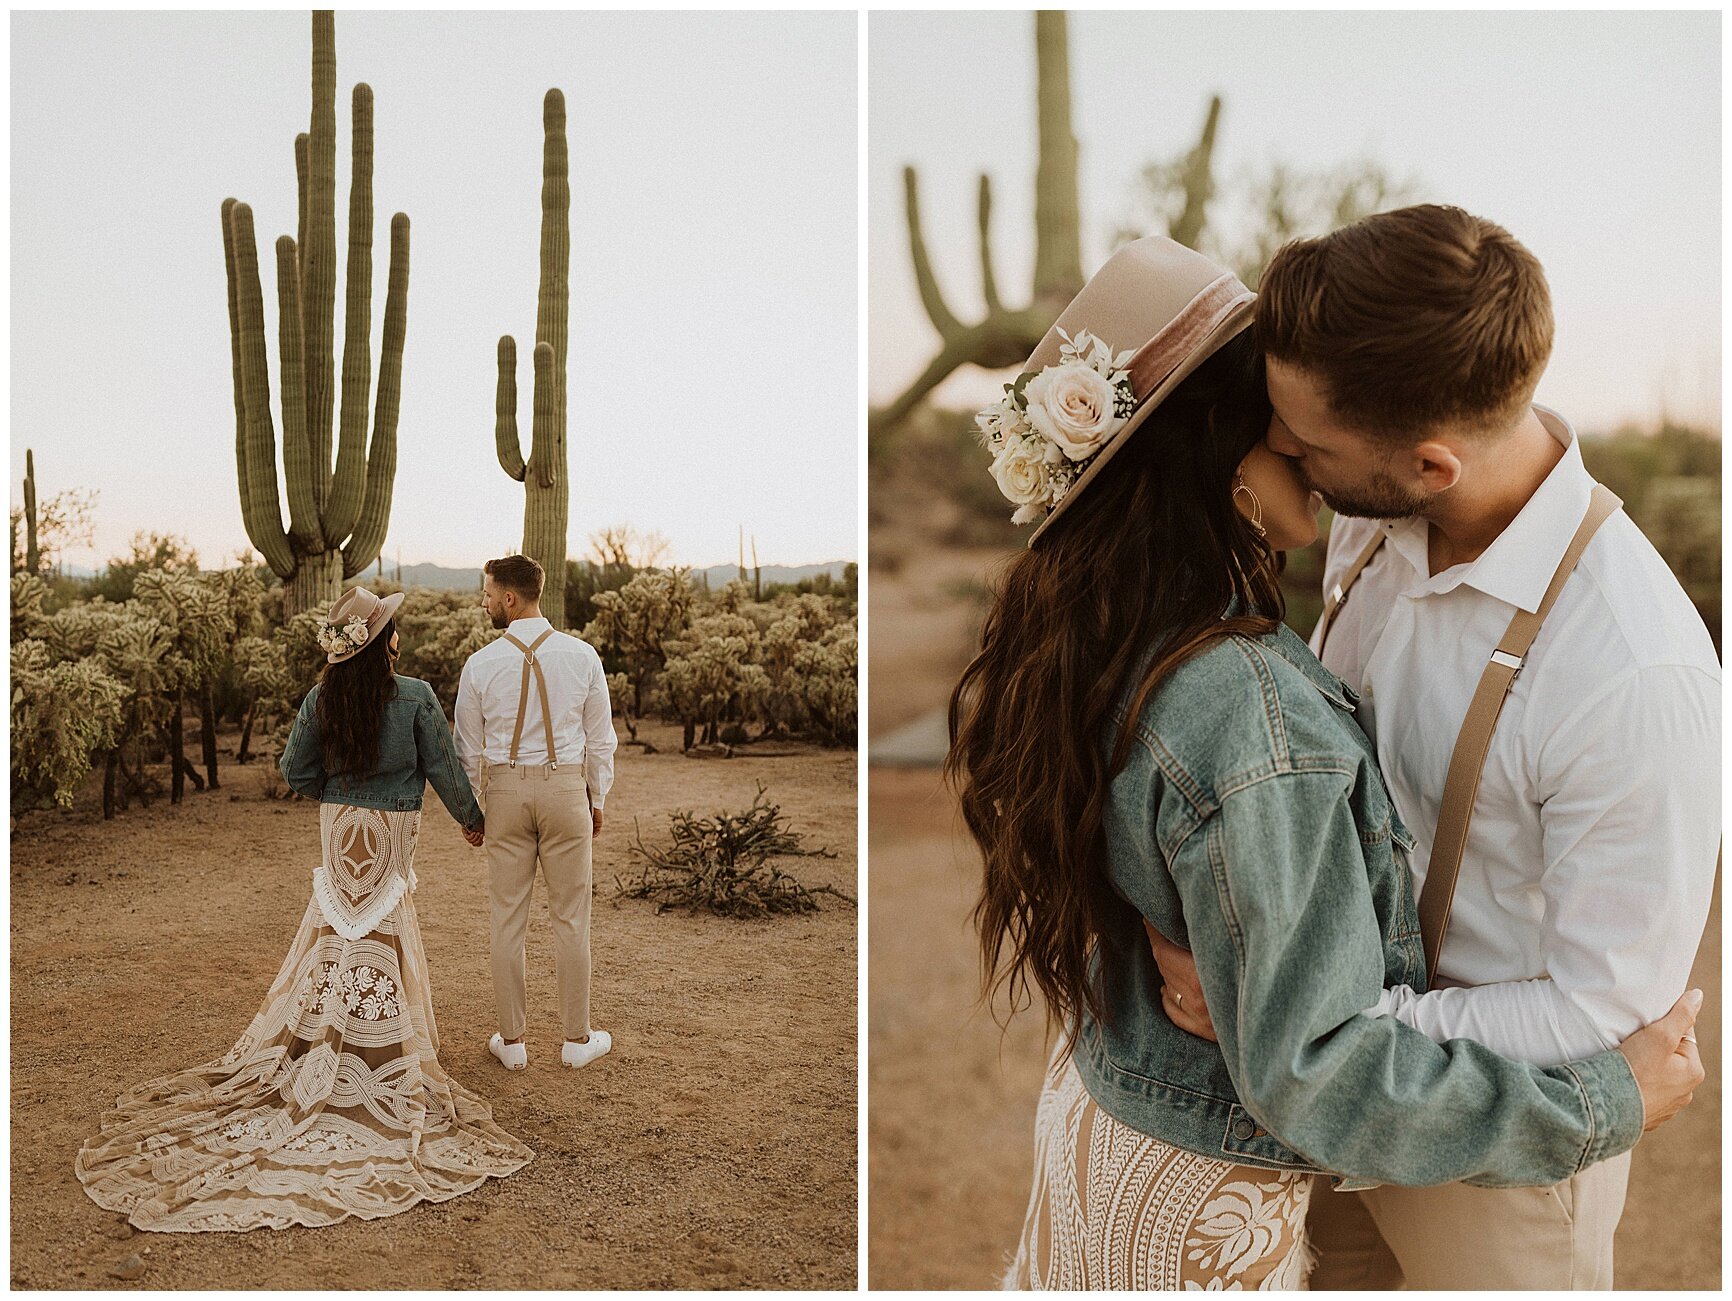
x=712, y=672
x=337, y=519
x=62, y=716
x=439, y=637
x=544, y=475
x=828, y=674
x=28, y=594
x=633, y=624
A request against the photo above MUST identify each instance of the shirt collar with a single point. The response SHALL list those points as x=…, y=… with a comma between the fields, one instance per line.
x=1519, y=564
x=536, y=624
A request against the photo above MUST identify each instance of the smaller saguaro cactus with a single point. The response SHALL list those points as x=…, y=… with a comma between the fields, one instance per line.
x=32, y=552
x=544, y=474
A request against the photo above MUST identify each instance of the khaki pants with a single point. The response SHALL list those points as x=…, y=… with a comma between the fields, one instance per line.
x=537, y=814
x=1455, y=1237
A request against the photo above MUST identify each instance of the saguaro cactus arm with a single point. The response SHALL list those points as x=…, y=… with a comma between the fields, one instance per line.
x=1199, y=182
x=543, y=458
x=319, y=254
x=369, y=536
x=301, y=190
x=258, y=448
x=343, y=508
x=505, y=411
x=297, y=454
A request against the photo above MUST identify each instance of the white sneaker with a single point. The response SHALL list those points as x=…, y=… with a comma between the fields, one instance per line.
x=513, y=1057
x=582, y=1054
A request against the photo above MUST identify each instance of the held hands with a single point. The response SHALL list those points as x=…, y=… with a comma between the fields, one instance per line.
x=1664, y=1060
x=475, y=835
x=1181, y=990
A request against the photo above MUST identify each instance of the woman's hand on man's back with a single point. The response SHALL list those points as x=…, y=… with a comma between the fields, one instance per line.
x=1181, y=990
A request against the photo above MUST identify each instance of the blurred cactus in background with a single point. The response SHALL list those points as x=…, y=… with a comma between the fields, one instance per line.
x=544, y=475
x=337, y=518
x=32, y=552
x=1005, y=336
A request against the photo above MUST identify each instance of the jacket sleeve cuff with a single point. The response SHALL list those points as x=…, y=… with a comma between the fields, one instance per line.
x=1614, y=1104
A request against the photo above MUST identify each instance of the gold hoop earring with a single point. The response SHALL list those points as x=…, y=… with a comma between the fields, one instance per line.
x=1256, y=520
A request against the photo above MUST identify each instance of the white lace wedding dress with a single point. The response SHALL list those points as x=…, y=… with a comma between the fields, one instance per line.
x=333, y=1103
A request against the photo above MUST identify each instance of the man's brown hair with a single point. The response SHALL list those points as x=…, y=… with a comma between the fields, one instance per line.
x=518, y=573
x=1410, y=319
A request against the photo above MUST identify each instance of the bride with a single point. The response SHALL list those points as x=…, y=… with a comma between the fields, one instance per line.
x=333, y=1103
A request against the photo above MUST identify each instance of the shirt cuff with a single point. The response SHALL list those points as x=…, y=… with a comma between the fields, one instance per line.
x=1614, y=1105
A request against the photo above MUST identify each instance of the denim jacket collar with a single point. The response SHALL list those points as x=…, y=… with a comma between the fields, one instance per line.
x=1292, y=648
x=1287, y=644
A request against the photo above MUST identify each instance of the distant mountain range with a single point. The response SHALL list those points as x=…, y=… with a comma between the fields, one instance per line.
x=466, y=579
x=715, y=575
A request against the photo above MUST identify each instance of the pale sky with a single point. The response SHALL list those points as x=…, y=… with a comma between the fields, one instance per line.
x=1594, y=137
x=712, y=371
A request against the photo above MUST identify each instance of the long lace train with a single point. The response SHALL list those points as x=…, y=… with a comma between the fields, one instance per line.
x=332, y=1103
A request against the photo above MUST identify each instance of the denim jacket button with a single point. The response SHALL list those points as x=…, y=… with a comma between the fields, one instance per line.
x=1243, y=1129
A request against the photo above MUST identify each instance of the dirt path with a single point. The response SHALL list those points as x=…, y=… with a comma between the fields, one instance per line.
x=951, y=1129
x=715, y=1147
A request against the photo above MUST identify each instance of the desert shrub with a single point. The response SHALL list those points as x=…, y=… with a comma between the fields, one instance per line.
x=721, y=864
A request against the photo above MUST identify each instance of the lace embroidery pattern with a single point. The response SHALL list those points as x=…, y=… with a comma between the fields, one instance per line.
x=332, y=1103
x=1112, y=1208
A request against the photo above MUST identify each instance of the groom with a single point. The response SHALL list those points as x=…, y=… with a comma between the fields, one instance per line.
x=1403, y=354
x=541, y=763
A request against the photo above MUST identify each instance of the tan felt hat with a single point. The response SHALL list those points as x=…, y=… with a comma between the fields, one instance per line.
x=1167, y=304
x=356, y=613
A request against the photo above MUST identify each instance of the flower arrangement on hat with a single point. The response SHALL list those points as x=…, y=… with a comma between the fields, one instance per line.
x=342, y=639
x=1049, y=424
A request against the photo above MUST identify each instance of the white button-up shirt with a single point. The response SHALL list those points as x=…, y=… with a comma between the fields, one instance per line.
x=1590, y=860
x=492, y=682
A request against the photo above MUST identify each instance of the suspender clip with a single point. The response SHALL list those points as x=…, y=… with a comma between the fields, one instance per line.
x=1509, y=661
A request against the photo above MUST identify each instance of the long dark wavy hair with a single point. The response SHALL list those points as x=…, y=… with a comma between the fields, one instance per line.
x=1133, y=579
x=351, y=706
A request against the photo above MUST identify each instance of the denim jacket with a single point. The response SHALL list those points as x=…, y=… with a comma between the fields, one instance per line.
x=415, y=748
x=1250, y=824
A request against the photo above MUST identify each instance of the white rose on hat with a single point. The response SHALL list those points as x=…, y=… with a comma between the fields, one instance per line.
x=1074, y=405
x=1021, y=473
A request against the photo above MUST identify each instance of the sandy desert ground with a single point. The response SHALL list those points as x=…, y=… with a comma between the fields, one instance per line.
x=715, y=1147
x=953, y=1097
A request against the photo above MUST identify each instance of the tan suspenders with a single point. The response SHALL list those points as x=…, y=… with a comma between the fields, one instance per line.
x=531, y=663
x=1473, y=742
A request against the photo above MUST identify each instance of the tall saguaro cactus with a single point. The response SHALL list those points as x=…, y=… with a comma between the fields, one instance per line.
x=544, y=475
x=32, y=552
x=1004, y=336
x=337, y=517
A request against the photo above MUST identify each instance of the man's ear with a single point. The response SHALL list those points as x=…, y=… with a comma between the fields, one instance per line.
x=1437, y=464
